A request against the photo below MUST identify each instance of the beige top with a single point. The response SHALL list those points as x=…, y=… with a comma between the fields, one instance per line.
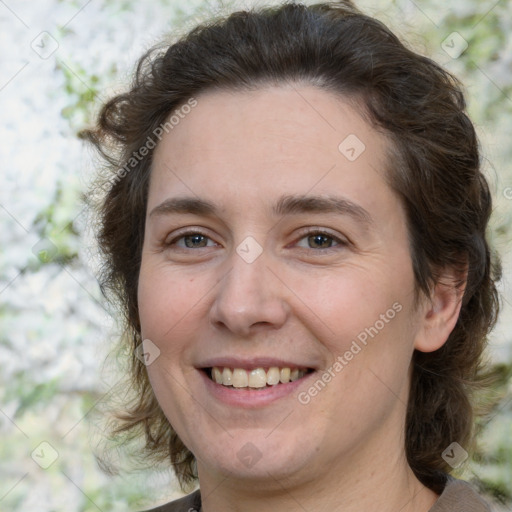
x=457, y=496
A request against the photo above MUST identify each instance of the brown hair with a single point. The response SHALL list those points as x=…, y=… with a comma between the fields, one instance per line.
x=434, y=166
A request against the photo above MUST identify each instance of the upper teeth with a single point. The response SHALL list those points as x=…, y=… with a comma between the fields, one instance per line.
x=257, y=378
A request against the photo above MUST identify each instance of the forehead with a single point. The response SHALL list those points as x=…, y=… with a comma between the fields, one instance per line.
x=263, y=143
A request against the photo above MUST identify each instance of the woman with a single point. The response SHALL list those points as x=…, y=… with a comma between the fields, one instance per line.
x=295, y=225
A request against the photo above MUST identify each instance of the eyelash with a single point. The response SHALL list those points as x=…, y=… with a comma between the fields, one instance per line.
x=314, y=232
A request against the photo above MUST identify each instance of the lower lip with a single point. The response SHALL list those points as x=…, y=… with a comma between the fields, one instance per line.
x=250, y=398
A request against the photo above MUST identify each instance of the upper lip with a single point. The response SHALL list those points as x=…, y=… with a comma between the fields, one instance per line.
x=251, y=363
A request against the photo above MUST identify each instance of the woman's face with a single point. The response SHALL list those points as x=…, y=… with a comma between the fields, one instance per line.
x=273, y=244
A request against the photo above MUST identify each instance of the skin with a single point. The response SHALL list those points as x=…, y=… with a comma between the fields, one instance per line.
x=344, y=450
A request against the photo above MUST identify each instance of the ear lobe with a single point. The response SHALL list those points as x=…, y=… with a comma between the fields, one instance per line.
x=441, y=312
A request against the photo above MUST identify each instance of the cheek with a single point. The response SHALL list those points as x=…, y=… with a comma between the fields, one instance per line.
x=352, y=298
x=168, y=309
x=167, y=304
x=362, y=314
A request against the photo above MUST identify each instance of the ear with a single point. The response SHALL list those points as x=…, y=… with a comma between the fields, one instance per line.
x=440, y=313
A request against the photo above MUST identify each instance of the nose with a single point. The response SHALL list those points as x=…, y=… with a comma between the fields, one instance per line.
x=250, y=297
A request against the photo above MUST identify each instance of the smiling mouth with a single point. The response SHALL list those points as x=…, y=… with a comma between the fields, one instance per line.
x=256, y=378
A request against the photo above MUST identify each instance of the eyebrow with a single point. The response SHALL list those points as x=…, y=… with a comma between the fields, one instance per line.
x=285, y=205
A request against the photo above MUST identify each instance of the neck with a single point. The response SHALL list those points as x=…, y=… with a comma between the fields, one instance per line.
x=382, y=492
x=373, y=477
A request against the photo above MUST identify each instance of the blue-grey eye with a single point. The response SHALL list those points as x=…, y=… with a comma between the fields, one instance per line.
x=192, y=241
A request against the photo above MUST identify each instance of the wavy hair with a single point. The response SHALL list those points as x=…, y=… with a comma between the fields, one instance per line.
x=434, y=166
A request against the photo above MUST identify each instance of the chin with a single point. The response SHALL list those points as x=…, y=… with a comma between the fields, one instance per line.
x=256, y=459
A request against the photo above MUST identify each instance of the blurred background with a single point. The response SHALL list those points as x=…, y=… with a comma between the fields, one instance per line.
x=59, y=61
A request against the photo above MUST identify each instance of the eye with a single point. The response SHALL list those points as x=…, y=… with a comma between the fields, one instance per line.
x=318, y=239
x=314, y=239
x=191, y=240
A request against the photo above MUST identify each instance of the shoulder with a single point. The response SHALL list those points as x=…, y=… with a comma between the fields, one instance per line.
x=459, y=496
x=189, y=503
